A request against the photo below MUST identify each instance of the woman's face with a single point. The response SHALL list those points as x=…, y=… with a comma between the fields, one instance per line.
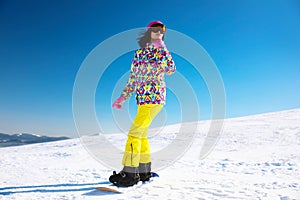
x=156, y=36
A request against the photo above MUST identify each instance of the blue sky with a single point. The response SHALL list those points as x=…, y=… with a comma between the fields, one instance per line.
x=255, y=45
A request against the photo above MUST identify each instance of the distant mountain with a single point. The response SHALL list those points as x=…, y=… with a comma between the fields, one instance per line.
x=7, y=140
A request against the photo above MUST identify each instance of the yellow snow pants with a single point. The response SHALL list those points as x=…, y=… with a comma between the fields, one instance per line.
x=137, y=149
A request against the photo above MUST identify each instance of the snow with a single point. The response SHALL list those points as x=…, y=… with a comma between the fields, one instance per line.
x=257, y=157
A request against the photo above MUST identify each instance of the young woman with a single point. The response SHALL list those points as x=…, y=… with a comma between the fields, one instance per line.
x=146, y=80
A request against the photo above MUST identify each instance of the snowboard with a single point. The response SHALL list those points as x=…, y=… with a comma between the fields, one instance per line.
x=112, y=189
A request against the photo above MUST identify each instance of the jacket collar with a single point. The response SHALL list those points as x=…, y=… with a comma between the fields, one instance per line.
x=149, y=45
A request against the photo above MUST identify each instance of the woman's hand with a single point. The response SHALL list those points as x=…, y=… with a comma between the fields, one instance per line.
x=118, y=103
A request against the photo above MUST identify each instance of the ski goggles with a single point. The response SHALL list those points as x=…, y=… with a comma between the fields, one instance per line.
x=158, y=27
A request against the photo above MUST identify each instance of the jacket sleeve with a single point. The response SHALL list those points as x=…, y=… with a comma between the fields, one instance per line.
x=130, y=86
x=167, y=61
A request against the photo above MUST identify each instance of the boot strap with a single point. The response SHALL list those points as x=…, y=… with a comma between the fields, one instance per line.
x=123, y=174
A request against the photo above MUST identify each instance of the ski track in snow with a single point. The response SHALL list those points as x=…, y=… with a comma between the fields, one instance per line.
x=256, y=157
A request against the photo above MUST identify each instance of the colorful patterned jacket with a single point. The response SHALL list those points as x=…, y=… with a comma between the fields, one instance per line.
x=148, y=68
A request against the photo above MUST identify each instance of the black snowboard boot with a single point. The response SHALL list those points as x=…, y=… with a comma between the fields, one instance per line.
x=145, y=171
x=129, y=176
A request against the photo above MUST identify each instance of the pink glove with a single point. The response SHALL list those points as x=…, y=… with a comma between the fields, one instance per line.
x=159, y=43
x=118, y=103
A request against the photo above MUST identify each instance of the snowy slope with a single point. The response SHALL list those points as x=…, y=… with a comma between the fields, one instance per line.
x=257, y=157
